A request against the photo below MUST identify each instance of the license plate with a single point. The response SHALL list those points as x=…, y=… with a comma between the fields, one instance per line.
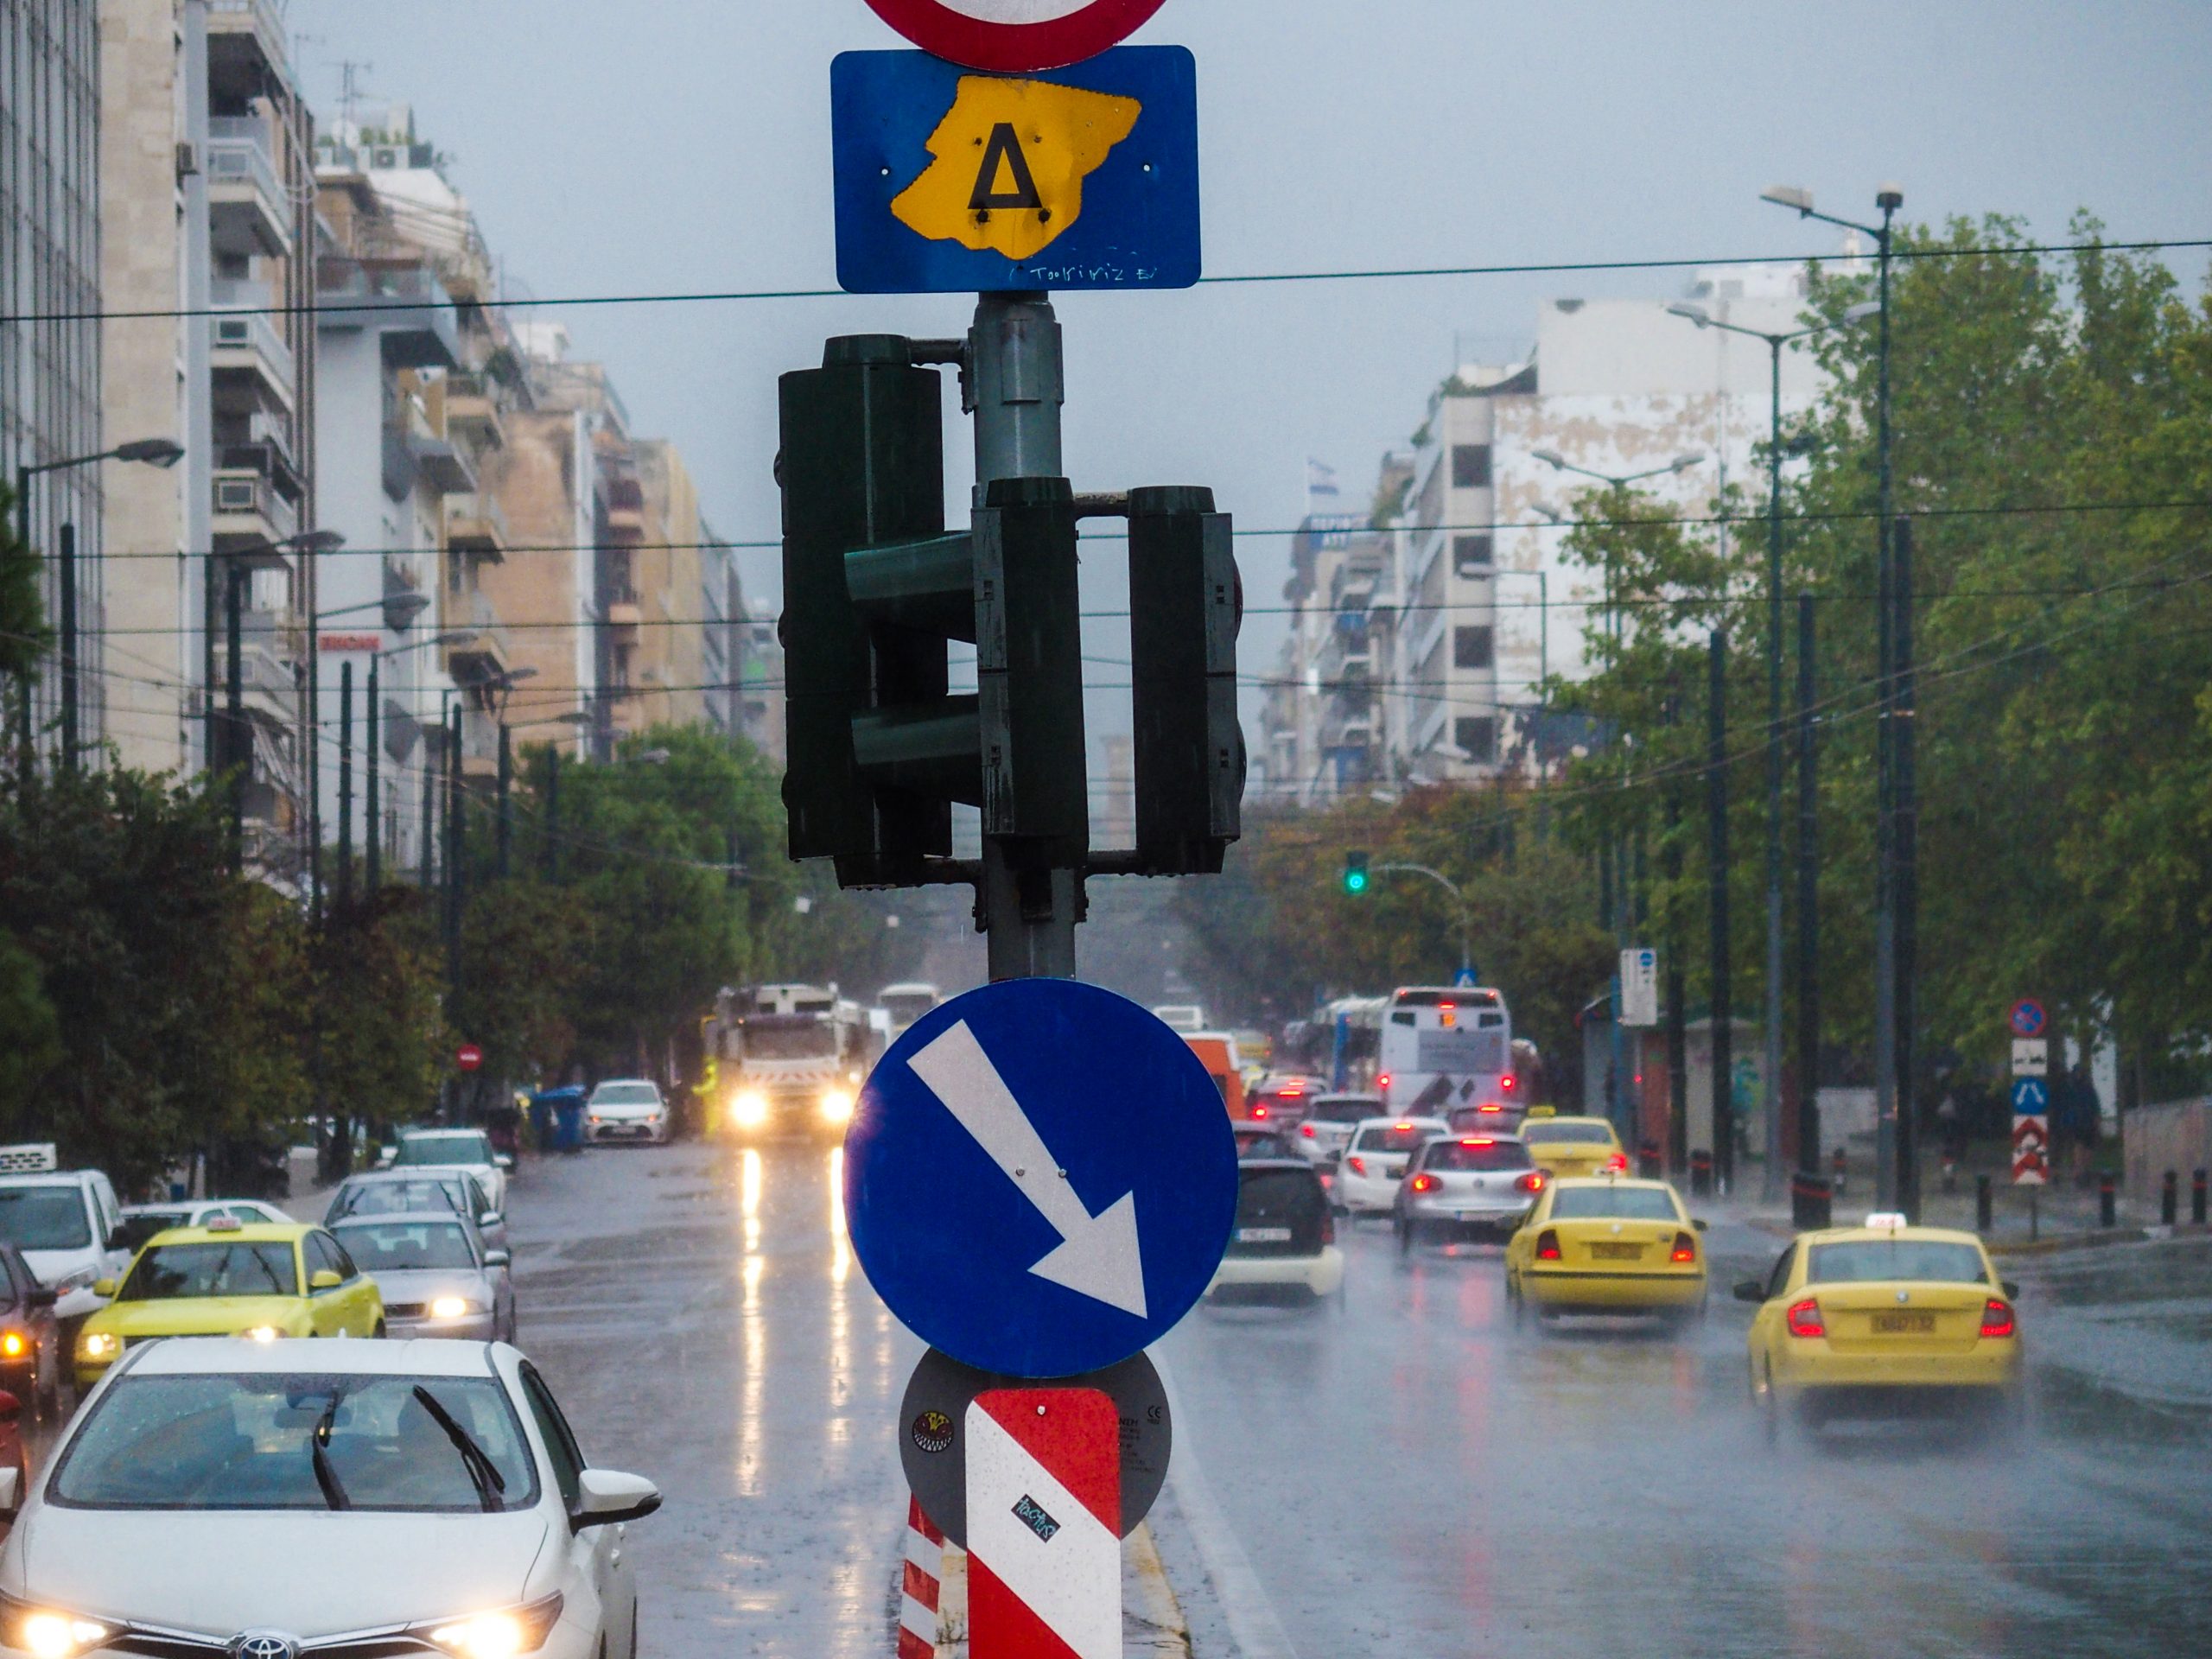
x=1904, y=1324
x=1615, y=1252
x=1263, y=1235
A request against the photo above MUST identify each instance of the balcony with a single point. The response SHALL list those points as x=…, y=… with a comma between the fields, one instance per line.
x=441, y=467
x=476, y=525
x=245, y=48
x=626, y=511
x=486, y=653
x=407, y=305
x=625, y=617
x=249, y=507
x=248, y=210
x=248, y=343
x=471, y=412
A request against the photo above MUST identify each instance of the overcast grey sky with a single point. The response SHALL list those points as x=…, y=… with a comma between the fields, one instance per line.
x=684, y=144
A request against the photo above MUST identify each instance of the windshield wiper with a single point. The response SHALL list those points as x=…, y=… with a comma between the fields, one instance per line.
x=485, y=1475
x=326, y=1475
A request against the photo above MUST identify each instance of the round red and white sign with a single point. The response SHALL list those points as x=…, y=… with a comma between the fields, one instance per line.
x=1015, y=36
x=468, y=1056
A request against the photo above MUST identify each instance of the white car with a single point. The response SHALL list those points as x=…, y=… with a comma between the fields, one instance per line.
x=626, y=1109
x=1329, y=1122
x=1467, y=1184
x=437, y=1276
x=64, y=1223
x=1375, y=1161
x=1284, y=1246
x=468, y=1149
x=141, y=1222
x=219, y=1498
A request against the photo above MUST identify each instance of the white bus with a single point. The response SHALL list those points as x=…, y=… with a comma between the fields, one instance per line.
x=905, y=1003
x=1447, y=1047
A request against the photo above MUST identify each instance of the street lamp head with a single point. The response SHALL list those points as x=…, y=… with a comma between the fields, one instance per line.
x=152, y=452
x=401, y=609
x=1789, y=195
x=1696, y=314
x=1543, y=510
x=1862, y=312
x=1551, y=458
x=317, y=541
x=516, y=675
x=1889, y=197
x=1684, y=463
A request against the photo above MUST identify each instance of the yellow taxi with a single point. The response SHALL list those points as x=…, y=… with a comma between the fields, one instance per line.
x=1862, y=1319
x=229, y=1279
x=1570, y=1146
x=1602, y=1244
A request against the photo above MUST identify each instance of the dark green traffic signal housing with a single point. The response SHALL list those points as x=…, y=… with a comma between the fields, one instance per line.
x=1186, y=607
x=1356, y=876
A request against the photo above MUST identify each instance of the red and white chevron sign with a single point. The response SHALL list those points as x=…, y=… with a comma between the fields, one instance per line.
x=1043, y=1525
x=918, y=1620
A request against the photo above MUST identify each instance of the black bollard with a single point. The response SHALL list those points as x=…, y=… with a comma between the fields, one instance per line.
x=2197, y=1197
x=1984, y=1199
x=1647, y=1162
x=1701, y=1174
x=1810, y=1204
x=2107, y=1201
x=2169, y=1198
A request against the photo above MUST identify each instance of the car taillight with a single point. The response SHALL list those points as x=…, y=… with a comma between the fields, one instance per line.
x=1532, y=1182
x=1423, y=1182
x=1997, y=1318
x=1685, y=1247
x=1359, y=1165
x=1259, y=1111
x=1509, y=1083
x=1619, y=1162
x=1306, y=1129
x=1803, y=1319
x=1548, y=1246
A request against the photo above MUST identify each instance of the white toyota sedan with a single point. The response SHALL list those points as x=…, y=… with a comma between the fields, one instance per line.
x=222, y=1498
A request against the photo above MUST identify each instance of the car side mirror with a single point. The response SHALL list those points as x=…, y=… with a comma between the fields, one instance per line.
x=1702, y=1225
x=2011, y=1289
x=490, y=1219
x=12, y=1493
x=324, y=1278
x=11, y=1409
x=104, y=1289
x=497, y=1258
x=502, y=1160
x=43, y=1296
x=608, y=1498
x=1750, y=1290
x=119, y=1239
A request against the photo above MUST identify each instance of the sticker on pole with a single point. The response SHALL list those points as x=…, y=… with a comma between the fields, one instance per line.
x=1039, y=1179
x=1015, y=36
x=954, y=183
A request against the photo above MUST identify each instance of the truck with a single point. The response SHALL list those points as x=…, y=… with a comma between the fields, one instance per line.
x=904, y=1003
x=789, y=1059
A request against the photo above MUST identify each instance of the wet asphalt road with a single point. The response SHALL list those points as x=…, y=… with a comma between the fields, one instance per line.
x=1410, y=1477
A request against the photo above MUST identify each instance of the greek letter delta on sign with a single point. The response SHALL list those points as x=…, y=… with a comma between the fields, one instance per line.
x=1039, y=1179
x=1015, y=36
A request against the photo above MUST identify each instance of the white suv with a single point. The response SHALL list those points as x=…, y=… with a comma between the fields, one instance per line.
x=65, y=1224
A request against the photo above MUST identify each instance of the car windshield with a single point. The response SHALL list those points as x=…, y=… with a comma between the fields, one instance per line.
x=245, y=1442
x=1476, y=1155
x=626, y=1093
x=904, y=1007
x=175, y=1272
x=44, y=1218
x=809, y=1041
x=404, y=1246
x=1264, y=1144
x=394, y=1198
x=1555, y=1132
x=460, y=1148
x=1395, y=1138
x=1614, y=1204
x=1874, y=1260
x=1341, y=1111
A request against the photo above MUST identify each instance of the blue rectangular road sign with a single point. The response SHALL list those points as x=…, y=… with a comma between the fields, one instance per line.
x=2030, y=1097
x=948, y=181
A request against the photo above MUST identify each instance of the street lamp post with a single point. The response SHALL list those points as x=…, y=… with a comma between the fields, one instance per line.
x=1459, y=898
x=1896, y=1184
x=1771, y=1182
x=150, y=452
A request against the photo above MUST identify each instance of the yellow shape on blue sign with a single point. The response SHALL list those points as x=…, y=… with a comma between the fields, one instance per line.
x=1011, y=159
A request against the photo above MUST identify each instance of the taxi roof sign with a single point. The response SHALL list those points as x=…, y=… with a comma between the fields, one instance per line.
x=1015, y=36
x=1886, y=1221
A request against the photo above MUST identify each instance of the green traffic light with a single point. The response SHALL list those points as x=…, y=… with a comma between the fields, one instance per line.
x=1356, y=873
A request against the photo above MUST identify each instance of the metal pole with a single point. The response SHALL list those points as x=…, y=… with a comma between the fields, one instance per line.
x=553, y=813
x=1013, y=384
x=427, y=866
x=1808, y=902
x=236, y=751
x=1771, y=1185
x=507, y=799
x=345, y=787
x=29, y=678
x=1723, y=1055
x=67, y=569
x=1904, y=877
x=372, y=809
x=1676, y=945
x=1885, y=1094
x=453, y=872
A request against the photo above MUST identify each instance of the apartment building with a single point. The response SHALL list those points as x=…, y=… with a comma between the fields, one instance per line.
x=49, y=263
x=207, y=204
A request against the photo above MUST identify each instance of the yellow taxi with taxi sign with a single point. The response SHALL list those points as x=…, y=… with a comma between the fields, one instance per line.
x=1602, y=1244
x=1866, y=1320
x=228, y=1279
x=1572, y=1147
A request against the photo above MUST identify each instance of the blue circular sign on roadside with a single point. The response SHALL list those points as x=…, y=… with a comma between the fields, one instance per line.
x=1041, y=1178
x=2027, y=1018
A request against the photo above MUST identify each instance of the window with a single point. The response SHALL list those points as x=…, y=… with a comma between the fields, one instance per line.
x=1882, y=1261
x=1557, y=1131
x=1780, y=1277
x=178, y=1272
x=1471, y=466
x=44, y=1217
x=1476, y=737
x=412, y=1246
x=1614, y=1204
x=1392, y=1139
x=1475, y=1155
x=561, y=1448
x=1472, y=556
x=322, y=1255
x=1472, y=648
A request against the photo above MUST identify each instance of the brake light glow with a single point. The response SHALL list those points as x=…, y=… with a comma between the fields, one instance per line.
x=1483, y=1140
x=1509, y=1083
x=1384, y=1080
x=1423, y=1182
x=1402, y=1128
x=1997, y=1318
x=1685, y=1247
x=1328, y=1225
x=1532, y=1182
x=1291, y=1091
x=1259, y=1111
x=1359, y=1165
x=1617, y=1162
x=1803, y=1319
x=1548, y=1246
x=1306, y=1129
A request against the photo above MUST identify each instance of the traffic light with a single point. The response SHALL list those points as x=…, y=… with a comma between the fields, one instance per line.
x=1356, y=876
x=1186, y=607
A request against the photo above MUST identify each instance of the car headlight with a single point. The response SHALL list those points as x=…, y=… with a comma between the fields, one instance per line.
x=501, y=1635
x=14, y=1344
x=97, y=1347
x=750, y=1110
x=261, y=1333
x=837, y=1105
x=46, y=1633
x=455, y=1307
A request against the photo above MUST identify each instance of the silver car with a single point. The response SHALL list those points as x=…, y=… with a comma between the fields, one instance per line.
x=1458, y=1184
x=468, y=1149
x=626, y=1109
x=1331, y=1119
x=403, y=1192
x=436, y=1276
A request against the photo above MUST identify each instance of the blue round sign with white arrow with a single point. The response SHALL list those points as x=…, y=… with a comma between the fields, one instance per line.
x=1039, y=1177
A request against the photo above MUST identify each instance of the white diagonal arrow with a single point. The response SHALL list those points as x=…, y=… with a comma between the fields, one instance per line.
x=1097, y=1255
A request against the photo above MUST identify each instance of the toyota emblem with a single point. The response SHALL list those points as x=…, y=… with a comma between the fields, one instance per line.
x=266, y=1644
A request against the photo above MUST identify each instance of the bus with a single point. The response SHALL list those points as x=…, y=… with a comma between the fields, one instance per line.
x=905, y=1003
x=1446, y=1046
